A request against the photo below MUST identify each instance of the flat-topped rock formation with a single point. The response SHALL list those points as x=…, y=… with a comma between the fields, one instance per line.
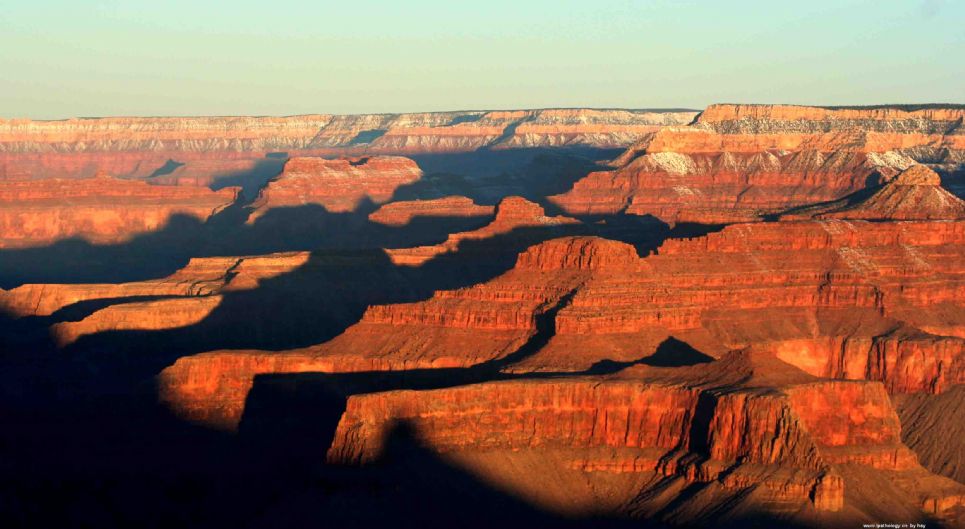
x=745, y=424
x=403, y=212
x=425, y=132
x=203, y=276
x=339, y=186
x=512, y=213
x=102, y=209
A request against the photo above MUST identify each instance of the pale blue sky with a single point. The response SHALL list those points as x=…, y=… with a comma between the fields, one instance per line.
x=178, y=57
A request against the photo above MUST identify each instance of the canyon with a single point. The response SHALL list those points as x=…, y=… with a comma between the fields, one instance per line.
x=752, y=314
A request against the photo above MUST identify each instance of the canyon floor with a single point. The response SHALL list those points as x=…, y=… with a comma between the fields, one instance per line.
x=745, y=316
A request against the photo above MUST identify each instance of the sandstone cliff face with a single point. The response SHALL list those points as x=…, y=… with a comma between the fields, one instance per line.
x=182, y=299
x=741, y=424
x=202, y=276
x=339, y=186
x=101, y=209
x=138, y=316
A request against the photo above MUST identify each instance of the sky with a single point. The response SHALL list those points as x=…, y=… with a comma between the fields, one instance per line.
x=70, y=58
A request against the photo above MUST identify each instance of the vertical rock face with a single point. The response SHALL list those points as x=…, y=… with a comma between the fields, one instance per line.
x=139, y=316
x=339, y=186
x=101, y=209
x=743, y=423
x=202, y=276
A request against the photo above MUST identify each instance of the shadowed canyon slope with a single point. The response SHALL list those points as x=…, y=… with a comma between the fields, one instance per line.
x=754, y=316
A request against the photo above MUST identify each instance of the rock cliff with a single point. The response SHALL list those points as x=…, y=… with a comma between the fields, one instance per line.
x=425, y=132
x=102, y=209
x=745, y=423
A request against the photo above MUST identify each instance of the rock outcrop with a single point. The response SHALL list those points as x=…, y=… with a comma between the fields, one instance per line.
x=102, y=209
x=339, y=186
x=745, y=423
x=837, y=299
x=425, y=132
x=915, y=194
x=403, y=212
x=738, y=162
x=512, y=213
x=182, y=299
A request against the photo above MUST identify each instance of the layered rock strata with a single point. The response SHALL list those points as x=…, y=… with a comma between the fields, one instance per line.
x=512, y=213
x=404, y=212
x=100, y=209
x=738, y=162
x=339, y=186
x=425, y=132
x=745, y=423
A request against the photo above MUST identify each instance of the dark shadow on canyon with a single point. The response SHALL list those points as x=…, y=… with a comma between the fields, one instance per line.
x=670, y=353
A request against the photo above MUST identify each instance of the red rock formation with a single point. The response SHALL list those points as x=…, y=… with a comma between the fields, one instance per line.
x=185, y=298
x=757, y=423
x=512, y=213
x=339, y=186
x=426, y=132
x=139, y=316
x=201, y=277
x=101, y=209
x=403, y=212
x=718, y=188
x=739, y=162
x=915, y=194
x=838, y=299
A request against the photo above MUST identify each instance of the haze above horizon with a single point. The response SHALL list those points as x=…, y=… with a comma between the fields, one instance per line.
x=296, y=57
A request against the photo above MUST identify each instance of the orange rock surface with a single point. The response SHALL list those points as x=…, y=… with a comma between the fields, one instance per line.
x=339, y=185
x=878, y=301
x=421, y=132
x=738, y=162
x=203, y=276
x=512, y=213
x=915, y=194
x=747, y=422
x=403, y=212
x=101, y=209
